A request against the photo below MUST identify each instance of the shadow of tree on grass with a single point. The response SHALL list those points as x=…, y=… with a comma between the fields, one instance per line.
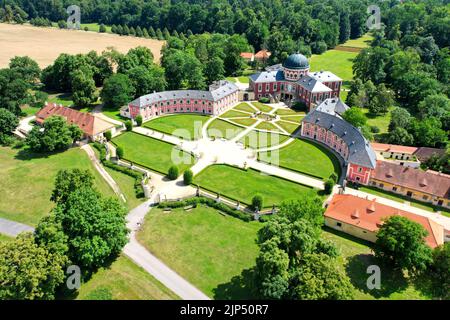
x=240, y=287
x=391, y=280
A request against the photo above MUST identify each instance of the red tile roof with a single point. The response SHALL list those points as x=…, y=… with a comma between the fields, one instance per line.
x=369, y=215
x=382, y=147
x=415, y=179
x=424, y=153
x=85, y=121
x=247, y=55
x=263, y=54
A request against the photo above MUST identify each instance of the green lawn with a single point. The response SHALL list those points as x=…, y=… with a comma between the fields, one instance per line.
x=400, y=198
x=186, y=126
x=243, y=79
x=265, y=125
x=61, y=98
x=203, y=246
x=152, y=153
x=289, y=112
x=257, y=139
x=362, y=42
x=288, y=126
x=306, y=157
x=242, y=185
x=338, y=62
x=5, y=238
x=262, y=107
x=113, y=114
x=355, y=257
x=296, y=118
x=223, y=129
x=124, y=280
x=126, y=185
x=244, y=122
x=234, y=113
x=94, y=27
x=29, y=111
x=243, y=106
x=27, y=181
x=231, y=79
x=382, y=122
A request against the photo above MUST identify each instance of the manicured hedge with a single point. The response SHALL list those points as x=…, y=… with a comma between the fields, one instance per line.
x=134, y=174
x=210, y=203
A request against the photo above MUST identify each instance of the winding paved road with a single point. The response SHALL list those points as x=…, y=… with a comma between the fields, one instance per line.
x=12, y=228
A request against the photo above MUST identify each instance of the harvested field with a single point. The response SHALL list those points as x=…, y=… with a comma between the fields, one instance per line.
x=45, y=44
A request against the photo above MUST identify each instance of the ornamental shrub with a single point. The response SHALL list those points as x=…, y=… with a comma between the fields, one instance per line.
x=173, y=173
x=188, y=177
x=257, y=202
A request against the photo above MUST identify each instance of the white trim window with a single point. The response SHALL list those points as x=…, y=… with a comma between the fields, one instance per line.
x=268, y=87
x=275, y=87
x=260, y=87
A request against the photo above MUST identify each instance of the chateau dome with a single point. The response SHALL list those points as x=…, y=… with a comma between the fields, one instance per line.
x=296, y=61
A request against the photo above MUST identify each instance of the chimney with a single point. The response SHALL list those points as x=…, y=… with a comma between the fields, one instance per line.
x=371, y=208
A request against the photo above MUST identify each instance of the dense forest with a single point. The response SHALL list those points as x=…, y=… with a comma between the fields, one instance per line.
x=264, y=22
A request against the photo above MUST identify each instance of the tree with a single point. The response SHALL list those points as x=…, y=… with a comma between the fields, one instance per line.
x=83, y=88
x=306, y=207
x=188, y=176
x=107, y=135
x=257, y=202
x=320, y=278
x=117, y=91
x=119, y=152
x=102, y=28
x=95, y=227
x=139, y=56
x=355, y=116
x=13, y=90
x=400, y=118
x=8, y=122
x=329, y=185
x=436, y=105
x=55, y=135
x=400, y=136
x=129, y=125
x=382, y=100
x=29, y=271
x=428, y=132
x=173, y=173
x=147, y=80
x=26, y=68
x=50, y=234
x=67, y=181
x=138, y=120
x=401, y=243
x=214, y=69
x=440, y=270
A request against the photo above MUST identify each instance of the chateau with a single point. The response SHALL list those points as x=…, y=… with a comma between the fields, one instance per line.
x=292, y=81
x=221, y=96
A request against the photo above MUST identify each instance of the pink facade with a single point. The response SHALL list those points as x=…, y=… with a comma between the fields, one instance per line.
x=358, y=174
x=187, y=102
x=355, y=173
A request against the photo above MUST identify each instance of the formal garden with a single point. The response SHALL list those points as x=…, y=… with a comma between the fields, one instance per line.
x=242, y=185
x=186, y=126
x=151, y=153
x=306, y=157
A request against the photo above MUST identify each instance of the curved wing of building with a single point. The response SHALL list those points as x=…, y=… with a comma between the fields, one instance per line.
x=325, y=125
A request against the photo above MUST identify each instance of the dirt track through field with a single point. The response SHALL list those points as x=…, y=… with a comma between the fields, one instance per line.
x=45, y=44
